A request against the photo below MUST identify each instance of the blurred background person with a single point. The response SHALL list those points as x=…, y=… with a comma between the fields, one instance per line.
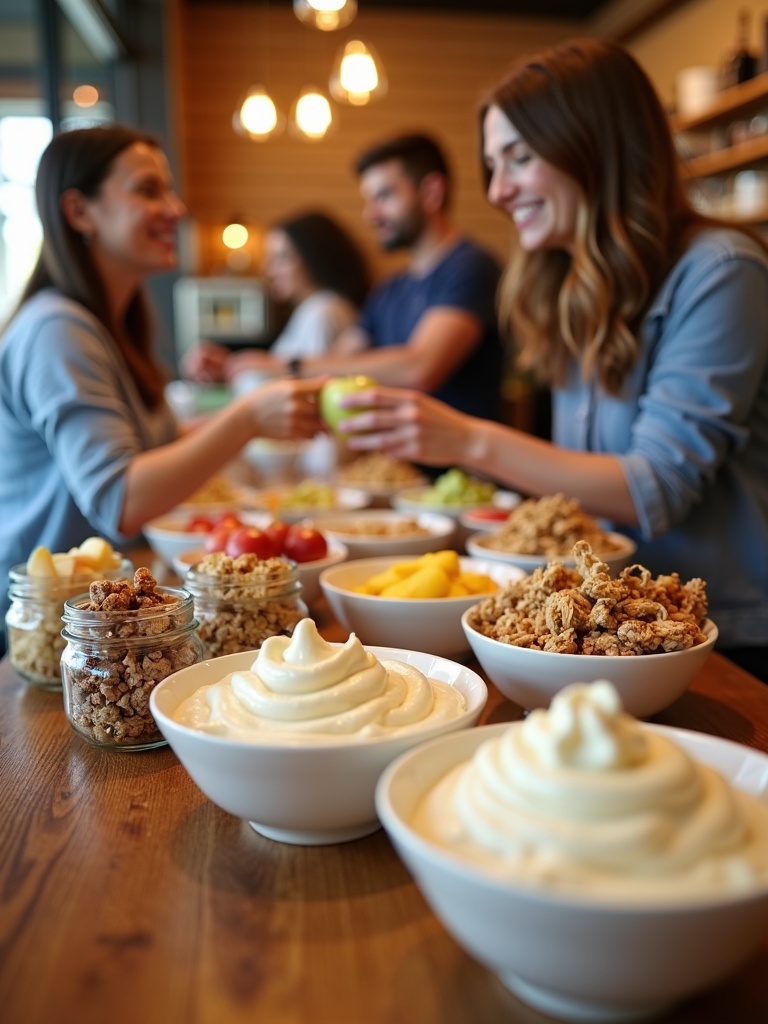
x=313, y=265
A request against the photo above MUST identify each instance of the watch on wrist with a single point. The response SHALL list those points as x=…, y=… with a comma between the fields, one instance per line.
x=294, y=368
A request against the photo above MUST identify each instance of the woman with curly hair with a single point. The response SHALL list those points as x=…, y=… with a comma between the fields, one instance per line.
x=648, y=320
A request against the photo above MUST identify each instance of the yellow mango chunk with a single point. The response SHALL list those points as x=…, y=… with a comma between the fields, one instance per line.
x=447, y=560
x=457, y=589
x=98, y=551
x=376, y=584
x=478, y=583
x=430, y=581
x=40, y=563
x=66, y=565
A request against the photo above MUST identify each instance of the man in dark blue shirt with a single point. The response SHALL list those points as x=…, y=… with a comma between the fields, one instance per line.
x=434, y=326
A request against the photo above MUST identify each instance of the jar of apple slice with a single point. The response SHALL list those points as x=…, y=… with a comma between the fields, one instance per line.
x=38, y=589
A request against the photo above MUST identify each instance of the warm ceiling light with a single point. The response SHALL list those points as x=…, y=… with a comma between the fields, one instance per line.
x=357, y=76
x=257, y=116
x=327, y=15
x=312, y=116
x=86, y=95
x=234, y=236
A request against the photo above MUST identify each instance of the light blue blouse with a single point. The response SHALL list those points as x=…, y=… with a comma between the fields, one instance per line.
x=71, y=420
x=691, y=429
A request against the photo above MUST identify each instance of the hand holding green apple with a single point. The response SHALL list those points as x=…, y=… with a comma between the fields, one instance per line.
x=333, y=391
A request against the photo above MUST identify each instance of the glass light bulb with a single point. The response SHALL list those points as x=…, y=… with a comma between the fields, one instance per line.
x=358, y=73
x=258, y=114
x=326, y=5
x=313, y=114
x=234, y=236
x=85, y=95
x=326, y=15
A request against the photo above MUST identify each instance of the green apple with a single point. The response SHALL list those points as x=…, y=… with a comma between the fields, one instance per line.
x=333, y=390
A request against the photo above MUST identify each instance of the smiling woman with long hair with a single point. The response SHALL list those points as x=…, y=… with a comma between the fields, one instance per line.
x=87, y=443
x=649, y=321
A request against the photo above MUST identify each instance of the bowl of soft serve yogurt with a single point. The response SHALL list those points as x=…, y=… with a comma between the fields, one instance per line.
x=603, y=868
x=293, y=737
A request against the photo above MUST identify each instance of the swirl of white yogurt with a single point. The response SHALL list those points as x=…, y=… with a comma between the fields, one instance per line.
x=304, y=684
x=583, y=794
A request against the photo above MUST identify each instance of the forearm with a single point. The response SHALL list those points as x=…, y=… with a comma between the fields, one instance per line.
x=537, y=467
x=394, y=366
x=160, y=478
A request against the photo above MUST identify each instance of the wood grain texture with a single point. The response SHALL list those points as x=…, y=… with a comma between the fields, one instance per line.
x=439, y=67
x=126, y=895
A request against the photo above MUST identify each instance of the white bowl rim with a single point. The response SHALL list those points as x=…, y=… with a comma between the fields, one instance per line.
x=627, y=547
x=442, y=528
x=416, y=601
x=289, y=742
x=459, y=866
x=708, y=628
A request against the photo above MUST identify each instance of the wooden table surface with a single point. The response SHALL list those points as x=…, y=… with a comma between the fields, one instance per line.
x=126, y=895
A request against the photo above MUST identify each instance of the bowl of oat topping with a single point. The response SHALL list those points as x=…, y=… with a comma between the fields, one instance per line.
x=540, y=530
x=559, y=626
x=380, y=475
x=371, y=533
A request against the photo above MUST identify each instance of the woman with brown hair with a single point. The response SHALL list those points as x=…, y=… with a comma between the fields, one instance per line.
x=87, y=443
x=649, y=321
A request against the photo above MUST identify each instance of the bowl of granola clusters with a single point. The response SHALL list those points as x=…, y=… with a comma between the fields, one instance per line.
x=379, y=475
x=537, y=531
x=371, y=533
x=561, y=625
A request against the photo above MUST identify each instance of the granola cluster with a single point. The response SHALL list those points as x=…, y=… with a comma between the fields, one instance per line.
x=240, y=604
x=35, y=643
x=584, y=611
x=548, y=526
x=110, y=674
x=377, y=469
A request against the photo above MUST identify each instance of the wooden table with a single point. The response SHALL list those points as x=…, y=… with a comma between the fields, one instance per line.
x=126, y=895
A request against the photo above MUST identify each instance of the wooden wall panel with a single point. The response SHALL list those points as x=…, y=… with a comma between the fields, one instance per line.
x=439, y=67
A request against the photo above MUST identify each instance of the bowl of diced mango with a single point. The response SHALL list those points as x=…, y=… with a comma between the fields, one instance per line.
x=414, y=603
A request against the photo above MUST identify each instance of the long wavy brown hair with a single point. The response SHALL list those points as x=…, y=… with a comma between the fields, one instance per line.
x=588, y=108
x=82, y=160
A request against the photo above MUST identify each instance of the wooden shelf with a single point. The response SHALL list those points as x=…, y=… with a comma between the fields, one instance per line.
x=736, y=102
x=745, y=154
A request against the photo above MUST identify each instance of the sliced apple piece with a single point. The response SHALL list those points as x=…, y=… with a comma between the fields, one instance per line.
x=66, y=565
x=40, y=563
x=98, y=551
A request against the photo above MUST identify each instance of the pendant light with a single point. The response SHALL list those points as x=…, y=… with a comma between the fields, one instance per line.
x=257, y=116
x=312, y=115
x=326, y=15
x=357, y=76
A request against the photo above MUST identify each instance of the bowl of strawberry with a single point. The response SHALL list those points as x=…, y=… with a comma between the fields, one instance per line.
x=270, y=538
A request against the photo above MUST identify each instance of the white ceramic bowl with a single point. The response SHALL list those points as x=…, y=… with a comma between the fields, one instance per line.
x=432, y=624
x=168, y=537
x=381, y=495
x=309, y=572
x=476, y=522
x=647, y=683
x=409, y=501
x=477, y=545
x=347, y=500
x=575, y=959
x=277, y=461
x=299, y=790
x=440, y=530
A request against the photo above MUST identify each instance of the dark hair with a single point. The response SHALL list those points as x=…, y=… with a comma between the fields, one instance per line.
x=81, y=160
x=420, y=155
x=331, y=257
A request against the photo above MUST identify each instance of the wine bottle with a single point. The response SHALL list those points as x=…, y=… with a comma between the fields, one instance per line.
x=742, y=64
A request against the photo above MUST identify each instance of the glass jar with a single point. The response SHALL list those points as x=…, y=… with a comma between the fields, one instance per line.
x=114, y=659
x=238, y=611
x=33, y=621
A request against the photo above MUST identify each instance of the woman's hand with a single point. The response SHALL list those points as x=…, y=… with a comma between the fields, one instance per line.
x=205, y=363
x=407, y=424
x=254, y=360
x=285, y=409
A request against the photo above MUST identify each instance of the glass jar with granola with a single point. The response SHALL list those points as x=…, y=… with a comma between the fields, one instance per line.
x=122, y=640
x=33, y=621
x=239, y=602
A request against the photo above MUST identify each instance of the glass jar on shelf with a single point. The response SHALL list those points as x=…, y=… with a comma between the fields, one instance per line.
x=33, y=621
x=114, y=659
x=240, y=602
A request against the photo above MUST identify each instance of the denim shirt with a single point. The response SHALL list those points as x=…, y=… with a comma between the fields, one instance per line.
x=690, y=429
x=71, y=420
